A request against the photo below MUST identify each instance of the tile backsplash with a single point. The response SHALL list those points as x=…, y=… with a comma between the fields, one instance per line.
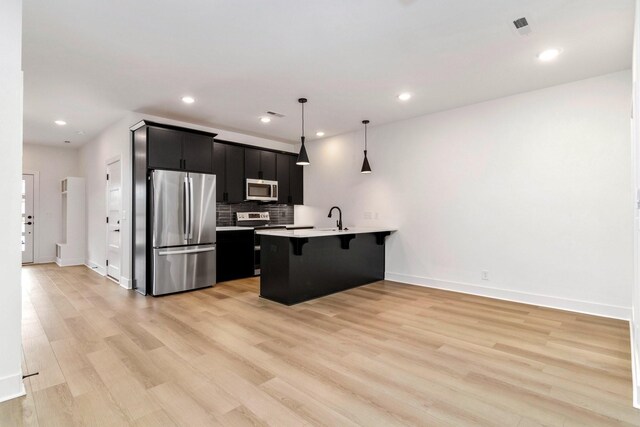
x=279, y=214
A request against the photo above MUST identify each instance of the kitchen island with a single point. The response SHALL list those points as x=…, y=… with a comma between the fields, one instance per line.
x=300, y=265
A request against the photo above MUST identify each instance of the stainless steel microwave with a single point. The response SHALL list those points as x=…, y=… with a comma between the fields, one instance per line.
x=261, y=190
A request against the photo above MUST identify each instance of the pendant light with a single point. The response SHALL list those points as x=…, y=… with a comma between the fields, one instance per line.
x=303, y=159
x=366, y=168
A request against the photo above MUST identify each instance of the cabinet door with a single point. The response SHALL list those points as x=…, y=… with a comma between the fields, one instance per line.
x=234, y=255
x=297, y=182
x=165, y=148
x=234, y=166
x=220, y=170
x=197, y=153
x=282, y=175
x=268, y=165
x=252, y=163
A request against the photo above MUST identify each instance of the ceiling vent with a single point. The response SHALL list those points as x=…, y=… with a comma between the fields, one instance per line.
x=273, y=113
x=519, y=23
x=522, y=26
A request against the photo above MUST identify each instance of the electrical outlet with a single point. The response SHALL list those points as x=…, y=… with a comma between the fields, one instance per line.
x=367, y=215
x=485, y=275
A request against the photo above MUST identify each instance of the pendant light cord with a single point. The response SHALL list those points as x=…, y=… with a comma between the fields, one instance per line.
x=365, y=137
x=302, y=118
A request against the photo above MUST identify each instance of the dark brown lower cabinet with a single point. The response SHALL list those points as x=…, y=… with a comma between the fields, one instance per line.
x=234, y=255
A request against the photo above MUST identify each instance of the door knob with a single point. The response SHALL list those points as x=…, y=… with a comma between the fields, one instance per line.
x=28, y=223
x=117, y=230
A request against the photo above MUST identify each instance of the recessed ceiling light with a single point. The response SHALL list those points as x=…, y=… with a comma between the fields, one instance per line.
x=188, y=99
x=60, y=122
x=549, y=54
x=404, y=96
x=265, y=119
x=320, y=133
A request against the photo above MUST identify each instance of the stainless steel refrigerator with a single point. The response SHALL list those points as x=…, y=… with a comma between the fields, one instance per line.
x=183, y=231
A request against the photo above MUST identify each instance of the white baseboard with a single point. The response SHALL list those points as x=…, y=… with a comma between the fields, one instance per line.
x=586, y=307
x=11, y=387
x=69, y=262
x=45, y=260
x=635, y=364
x=126, y=283
x=101, y=270
x=96, y=267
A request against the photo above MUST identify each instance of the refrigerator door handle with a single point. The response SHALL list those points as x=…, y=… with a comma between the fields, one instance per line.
x=190, y=207
x=185, y=208
x=188, y=251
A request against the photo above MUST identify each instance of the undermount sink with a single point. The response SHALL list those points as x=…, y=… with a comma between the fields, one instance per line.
x=327, y=229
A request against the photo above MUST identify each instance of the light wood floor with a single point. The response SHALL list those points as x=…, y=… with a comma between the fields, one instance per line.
x=384, y=354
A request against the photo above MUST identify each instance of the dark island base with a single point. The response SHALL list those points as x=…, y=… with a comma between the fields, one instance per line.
x=326, y=265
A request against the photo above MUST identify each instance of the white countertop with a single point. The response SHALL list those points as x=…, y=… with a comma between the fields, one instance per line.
x=236, y=228
x=233, y=228
x=322, y=232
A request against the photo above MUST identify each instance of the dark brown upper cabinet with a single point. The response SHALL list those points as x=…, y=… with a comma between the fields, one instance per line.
x=228, y=161
x=180, y=150
x=290, y=180
x=259, y=164
x=296, y=180
x=283, y=164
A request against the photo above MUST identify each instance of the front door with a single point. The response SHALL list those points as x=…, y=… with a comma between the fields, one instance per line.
x=27, y=218
x=114, y=215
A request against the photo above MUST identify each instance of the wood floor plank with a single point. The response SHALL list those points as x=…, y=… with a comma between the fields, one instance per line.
x=182, y=409
x=382, y=354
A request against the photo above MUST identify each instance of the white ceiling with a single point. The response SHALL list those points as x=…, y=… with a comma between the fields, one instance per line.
x=90, y=61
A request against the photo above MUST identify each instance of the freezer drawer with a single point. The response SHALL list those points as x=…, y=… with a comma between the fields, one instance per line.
x=183, y=268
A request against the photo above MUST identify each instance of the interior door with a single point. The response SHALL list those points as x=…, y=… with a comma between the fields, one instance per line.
x=114, y=213
x=27, y=218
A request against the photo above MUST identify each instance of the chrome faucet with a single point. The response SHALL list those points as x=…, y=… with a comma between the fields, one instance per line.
x=339, y=222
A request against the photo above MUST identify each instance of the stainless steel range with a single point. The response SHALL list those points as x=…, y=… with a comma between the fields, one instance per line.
x=257, y=221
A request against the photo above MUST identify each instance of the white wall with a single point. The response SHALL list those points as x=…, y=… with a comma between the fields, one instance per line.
x=635, y=138
x=52, y=164
x=10, y=193
x=116, y=141
x=533, y=188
